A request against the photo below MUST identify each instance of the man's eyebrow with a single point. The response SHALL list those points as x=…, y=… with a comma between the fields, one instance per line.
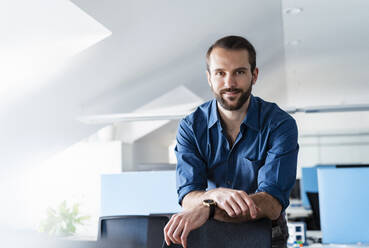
x=241, y=68
x=237, y=69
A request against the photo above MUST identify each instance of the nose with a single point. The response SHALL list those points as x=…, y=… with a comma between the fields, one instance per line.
x=230, y=81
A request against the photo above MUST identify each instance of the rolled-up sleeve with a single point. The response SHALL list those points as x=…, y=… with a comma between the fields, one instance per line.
x=278, y=175
x=191, y=167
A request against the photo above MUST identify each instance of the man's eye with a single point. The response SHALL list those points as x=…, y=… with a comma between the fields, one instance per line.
x=240, y=72
x=219, y=73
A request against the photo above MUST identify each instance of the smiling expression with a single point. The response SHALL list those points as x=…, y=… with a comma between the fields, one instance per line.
x=230, y=77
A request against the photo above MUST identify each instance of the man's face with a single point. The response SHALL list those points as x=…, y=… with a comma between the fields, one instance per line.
x=230, y=77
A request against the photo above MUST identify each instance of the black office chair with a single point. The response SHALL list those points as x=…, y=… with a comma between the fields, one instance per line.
x=131, y=231
x=314, y=203
x=215, y=234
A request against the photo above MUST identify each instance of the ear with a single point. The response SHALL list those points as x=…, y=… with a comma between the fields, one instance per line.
x=255, y=75
x=208, y=77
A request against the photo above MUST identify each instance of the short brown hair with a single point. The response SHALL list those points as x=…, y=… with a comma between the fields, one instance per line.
x=234, y=43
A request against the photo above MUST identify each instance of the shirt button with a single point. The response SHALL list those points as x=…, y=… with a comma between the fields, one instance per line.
x=229, y=183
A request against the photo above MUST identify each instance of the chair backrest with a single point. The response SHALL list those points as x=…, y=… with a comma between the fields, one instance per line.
x=131, y=231
x=231, y=235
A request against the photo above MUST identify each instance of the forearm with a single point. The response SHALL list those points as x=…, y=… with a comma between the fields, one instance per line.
x=266, y=204
x=268, y=207
x=193, y=199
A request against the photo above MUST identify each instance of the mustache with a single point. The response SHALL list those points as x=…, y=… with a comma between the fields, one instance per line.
x=236, y=90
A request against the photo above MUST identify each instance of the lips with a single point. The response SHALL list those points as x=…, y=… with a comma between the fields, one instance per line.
x=229, y=92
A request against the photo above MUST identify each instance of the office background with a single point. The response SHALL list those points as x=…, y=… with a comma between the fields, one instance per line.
x=65, y=60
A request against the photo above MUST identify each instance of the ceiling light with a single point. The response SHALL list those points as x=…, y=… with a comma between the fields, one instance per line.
x=294, y=42
x=293, y=11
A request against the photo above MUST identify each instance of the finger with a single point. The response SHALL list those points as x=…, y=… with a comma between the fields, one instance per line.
x=252, y=206
x=167, y=240
x=250, y=203
x=227, y=207
x=235, y=207
x=185, y=232
x=178, y=232
x=172, y=228
x=238, y=198
x=168, y=232
x=166, y=228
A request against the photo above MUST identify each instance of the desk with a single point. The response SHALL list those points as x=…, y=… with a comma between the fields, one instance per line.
x=296, y=210
x=318, y=234
x=336, y=246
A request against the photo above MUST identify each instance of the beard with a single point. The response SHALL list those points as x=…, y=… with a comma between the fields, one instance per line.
x=245, y=95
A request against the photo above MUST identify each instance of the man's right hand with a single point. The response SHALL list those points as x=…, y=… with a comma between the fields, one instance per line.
x=181, y=224
x=234, y=202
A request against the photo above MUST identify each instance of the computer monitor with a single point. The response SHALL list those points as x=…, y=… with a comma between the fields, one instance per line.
x=296, y=191
x=344, y=201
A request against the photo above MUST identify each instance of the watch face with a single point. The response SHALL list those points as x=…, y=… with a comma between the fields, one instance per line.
x=209, y=201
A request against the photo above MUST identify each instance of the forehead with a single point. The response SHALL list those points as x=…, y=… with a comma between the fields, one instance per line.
x=228, y=59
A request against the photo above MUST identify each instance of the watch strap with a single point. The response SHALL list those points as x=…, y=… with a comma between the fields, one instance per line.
x=212, y=211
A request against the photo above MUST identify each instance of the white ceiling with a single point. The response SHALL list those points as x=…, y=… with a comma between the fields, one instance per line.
x=330, y=63
x=159, y=45
x=37, y=40
x=156, y=46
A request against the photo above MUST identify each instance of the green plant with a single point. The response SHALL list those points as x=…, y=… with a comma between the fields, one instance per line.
x=63, y=220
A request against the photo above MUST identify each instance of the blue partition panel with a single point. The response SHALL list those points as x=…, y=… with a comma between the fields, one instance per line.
x=139, y=193
x=309, y=182
x=344, y=204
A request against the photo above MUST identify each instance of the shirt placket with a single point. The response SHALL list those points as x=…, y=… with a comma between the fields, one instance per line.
x=231, y=159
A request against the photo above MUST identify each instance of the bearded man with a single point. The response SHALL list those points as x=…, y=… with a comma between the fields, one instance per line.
x=237, y=154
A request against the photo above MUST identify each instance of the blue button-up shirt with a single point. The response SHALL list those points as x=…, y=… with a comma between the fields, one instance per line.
x=262, y=159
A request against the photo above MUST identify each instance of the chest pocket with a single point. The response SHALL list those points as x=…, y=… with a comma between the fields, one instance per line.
x=247, y=174
x=252, y=168
x=254, y=164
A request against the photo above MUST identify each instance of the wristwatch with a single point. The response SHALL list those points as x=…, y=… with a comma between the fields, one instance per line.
x=211, y=204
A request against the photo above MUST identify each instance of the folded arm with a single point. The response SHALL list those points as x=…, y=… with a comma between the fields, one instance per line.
x=232, y=206
x=236, y=205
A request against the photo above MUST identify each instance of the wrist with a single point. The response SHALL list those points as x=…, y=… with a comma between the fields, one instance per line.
x=209, y=194
x=211, y=204
x=206, y=195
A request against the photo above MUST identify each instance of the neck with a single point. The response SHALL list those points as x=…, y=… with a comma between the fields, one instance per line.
x=233, y=118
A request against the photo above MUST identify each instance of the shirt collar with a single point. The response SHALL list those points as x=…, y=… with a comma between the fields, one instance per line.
x=214, y=115
x=251, y=119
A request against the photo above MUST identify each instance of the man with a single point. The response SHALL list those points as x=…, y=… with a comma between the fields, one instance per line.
x=243, y=149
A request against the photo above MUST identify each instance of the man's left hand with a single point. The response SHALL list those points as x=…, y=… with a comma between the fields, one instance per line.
x=179, y=226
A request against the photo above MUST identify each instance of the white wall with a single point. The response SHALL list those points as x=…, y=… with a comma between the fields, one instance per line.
x=333, y=138
x=154, y=148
